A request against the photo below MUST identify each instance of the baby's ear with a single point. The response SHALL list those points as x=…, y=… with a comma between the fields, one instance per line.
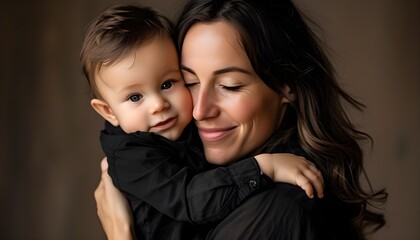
x=104, y=110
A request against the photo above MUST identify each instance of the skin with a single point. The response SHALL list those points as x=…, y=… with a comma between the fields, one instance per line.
x=243, y=111
x=144, y=91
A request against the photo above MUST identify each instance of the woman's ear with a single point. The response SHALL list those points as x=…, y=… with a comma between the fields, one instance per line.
x=288, y=96
x=104, y=110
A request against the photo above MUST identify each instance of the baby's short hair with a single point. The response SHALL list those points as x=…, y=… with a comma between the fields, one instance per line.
x=116, y=32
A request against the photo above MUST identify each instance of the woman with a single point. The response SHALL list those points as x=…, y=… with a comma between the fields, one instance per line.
x=261, y=83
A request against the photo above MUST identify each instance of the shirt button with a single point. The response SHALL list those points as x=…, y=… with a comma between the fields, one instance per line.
x=253, y=183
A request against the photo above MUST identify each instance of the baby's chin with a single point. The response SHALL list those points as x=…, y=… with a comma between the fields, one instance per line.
x=171, y=135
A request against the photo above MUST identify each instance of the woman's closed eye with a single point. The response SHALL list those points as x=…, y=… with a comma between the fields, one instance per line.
x=191, y=84
x=232, y=88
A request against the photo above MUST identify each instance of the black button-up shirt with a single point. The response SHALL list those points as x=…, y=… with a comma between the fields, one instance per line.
x=171, y=187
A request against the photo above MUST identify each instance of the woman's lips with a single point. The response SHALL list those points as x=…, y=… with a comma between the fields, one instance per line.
x=214, y=134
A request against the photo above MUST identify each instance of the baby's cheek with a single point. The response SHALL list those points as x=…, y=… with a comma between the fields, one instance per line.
x=134, y=123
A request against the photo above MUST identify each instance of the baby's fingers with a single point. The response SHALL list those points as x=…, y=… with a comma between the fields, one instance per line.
x=306, y=185
x=314, y=177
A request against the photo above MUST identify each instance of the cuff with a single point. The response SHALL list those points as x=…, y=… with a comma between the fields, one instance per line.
x=246, y=174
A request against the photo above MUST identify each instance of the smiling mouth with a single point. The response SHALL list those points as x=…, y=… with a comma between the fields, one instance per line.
x=170, y=122
x=211, y=135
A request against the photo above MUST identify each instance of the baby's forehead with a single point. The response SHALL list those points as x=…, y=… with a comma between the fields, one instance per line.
x=129, y=54
x=149, y=61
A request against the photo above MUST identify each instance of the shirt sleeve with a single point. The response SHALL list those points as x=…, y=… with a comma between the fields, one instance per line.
x=163, y=178
x=214, y=194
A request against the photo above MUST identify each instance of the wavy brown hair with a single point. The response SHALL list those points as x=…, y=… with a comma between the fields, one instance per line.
x=283, y=50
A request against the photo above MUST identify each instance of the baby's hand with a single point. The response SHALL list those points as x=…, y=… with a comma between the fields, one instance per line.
x=289, y=168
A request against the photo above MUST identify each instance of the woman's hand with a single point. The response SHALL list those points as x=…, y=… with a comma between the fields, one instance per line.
x=113, y=208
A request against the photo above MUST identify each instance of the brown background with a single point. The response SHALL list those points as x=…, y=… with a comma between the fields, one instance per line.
x=49, y=164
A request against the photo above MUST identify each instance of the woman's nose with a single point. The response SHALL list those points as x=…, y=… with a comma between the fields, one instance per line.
x=158, y=104
x=205, y=104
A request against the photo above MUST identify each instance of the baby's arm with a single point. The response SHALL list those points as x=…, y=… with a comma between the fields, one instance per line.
x=289, y=168
x=164, y=177
x=167, y=181
x=177, y=190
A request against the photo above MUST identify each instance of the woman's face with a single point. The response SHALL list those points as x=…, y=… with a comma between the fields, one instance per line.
x=234, y=110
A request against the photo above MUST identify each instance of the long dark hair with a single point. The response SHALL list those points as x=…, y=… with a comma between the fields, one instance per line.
x=283, y=50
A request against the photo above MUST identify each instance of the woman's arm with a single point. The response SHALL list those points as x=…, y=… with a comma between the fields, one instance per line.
x=112, y=208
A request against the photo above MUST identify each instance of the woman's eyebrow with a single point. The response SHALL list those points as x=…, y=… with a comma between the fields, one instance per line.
x=231, y=69
x=220, y=71
x=184, y=68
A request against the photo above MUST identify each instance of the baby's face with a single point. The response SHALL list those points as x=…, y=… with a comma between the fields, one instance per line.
x=145, y=91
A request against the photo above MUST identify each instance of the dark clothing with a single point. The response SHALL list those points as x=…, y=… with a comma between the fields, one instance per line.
x=170, y=186
x=282, y=212
x=174, y=197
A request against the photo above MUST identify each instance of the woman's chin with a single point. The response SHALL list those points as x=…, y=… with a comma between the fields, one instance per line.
x=219, y=157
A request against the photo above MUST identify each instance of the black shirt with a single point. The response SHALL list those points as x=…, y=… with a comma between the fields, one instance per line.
x=173, y=192
x=174, y=195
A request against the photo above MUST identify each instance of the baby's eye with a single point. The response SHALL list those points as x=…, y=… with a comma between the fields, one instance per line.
x=135, y=97
x=166, y=85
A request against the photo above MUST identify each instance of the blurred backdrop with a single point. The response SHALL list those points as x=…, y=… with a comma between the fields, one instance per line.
x=50, y=152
